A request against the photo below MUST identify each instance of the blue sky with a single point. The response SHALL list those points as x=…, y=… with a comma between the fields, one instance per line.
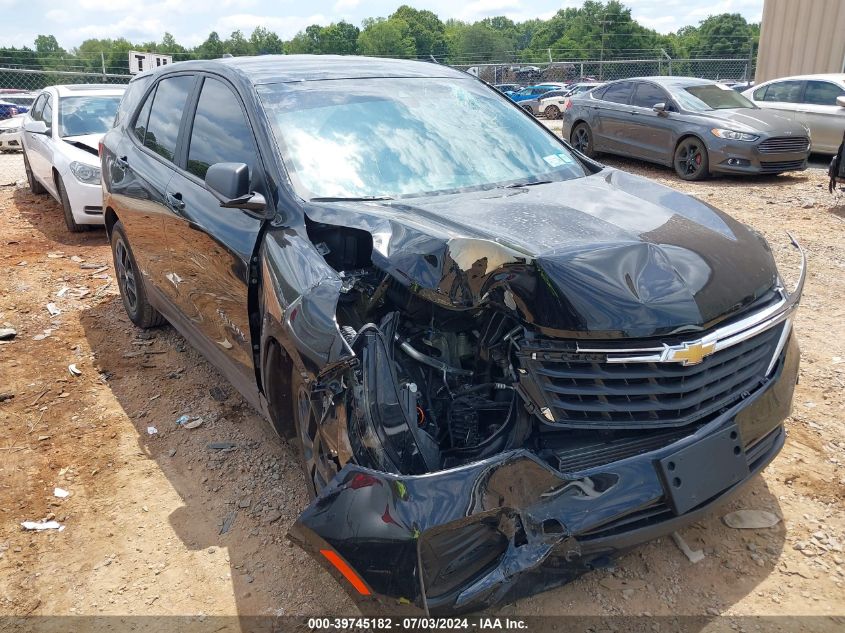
x=190, y=21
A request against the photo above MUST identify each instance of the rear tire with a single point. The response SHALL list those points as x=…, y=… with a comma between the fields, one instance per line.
x=34, y=186
x=581, y=138
x=552, y=112
x=131, y=285
x=690, y=159
x=70, y=222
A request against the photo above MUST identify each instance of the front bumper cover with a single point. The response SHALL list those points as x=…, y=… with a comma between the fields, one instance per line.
x=509, y=526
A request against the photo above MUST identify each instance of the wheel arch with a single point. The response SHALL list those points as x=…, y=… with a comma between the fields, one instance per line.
x=277, y=371
x=110, y=218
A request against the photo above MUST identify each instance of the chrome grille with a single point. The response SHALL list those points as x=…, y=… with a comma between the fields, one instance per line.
x=784, y=144
x=585, y=391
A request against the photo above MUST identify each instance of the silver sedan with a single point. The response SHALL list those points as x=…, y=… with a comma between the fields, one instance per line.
x=817, y=101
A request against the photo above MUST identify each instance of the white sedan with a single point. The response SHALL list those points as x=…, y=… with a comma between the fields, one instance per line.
x=551, y=107
x=60, y=137
x=817, y=101
x=10, y=134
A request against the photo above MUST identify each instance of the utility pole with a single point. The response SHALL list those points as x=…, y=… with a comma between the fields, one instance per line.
x=601, y=55
x=750, y=60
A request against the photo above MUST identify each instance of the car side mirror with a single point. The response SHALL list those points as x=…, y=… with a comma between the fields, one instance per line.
x=36, y=127
x=660, y=108
x=840, y=101
x=229, y=182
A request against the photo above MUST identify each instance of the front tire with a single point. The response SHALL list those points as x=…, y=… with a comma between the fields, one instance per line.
x=319, y=466
x=34, y=186
x=690, y=160
x=581, y=138
x=70, y=222
x=131, y=285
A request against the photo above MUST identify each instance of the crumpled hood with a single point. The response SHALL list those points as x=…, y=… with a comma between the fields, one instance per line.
x=88, y=143
x=609, y=255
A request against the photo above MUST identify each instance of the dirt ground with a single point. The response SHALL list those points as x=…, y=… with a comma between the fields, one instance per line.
x=163, y=524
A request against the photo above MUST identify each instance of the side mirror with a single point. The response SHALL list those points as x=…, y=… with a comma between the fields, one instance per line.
x=229, y=182
x=660, y=108
x=840, y=101
x=36, y=127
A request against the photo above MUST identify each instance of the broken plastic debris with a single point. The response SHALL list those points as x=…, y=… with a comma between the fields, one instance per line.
x=62, y=292
x=182, y=419
x=750, y=519
x=151, y=430
x=7, y=333
x=193, y=424
x=61, y=493
x=42, y=525
x=74, y=370
x=694, y=555
x=53, y=309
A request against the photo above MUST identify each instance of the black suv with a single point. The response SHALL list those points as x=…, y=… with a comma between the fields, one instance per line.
x=502, y=360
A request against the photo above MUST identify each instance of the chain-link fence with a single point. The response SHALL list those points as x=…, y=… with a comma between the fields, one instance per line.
x=19, y=85
x=719, y=69
x=18, y=89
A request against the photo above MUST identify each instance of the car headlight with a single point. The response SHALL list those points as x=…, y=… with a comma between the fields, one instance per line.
x=85, y=173
x=731, y=135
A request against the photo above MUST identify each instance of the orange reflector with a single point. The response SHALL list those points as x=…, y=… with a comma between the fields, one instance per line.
x=348, y=573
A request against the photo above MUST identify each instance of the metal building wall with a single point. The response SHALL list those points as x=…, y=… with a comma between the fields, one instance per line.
x=801, y=36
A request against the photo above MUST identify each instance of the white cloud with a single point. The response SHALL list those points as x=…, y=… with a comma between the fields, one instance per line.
x=57, y=15
x=345, y=5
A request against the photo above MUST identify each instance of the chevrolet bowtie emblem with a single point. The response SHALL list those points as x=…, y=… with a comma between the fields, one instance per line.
x=690, y=353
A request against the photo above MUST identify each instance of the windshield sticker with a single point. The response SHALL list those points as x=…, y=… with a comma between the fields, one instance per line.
x=553, y=160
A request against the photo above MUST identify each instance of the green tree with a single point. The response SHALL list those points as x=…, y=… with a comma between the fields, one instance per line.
x=211, y=48
x=426, y=29
x=237, y=44
x=477, y=44
x=265, y=42
x=387, y=38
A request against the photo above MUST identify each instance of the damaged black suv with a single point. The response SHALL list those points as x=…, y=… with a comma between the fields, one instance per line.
x=503, y=362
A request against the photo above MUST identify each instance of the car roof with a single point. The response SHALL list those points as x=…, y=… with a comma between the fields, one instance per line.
x=270, y=69
x=840, y=77
x=673, y=82
x=87, y=90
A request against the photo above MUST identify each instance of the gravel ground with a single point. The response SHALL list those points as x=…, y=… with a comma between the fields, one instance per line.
x=162, y=524
x=11, y=168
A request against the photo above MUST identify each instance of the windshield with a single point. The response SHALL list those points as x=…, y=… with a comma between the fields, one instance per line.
x=396, y=137
x=87, y=115
x=711, y=97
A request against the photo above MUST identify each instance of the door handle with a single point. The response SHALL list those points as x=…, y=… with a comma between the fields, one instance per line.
x=174, y=201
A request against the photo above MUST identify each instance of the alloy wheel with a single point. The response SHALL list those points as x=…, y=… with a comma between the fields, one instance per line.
x=319, y=465
x=689, y=158
x=126, y=275
x=581, y=140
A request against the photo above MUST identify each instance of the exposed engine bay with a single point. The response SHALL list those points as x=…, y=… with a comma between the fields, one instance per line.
x=434, y=388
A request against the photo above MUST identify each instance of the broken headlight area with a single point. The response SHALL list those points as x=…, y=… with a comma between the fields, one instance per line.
x=476, y=458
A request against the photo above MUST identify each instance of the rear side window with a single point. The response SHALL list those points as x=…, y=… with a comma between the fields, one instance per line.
x=166, y=115
x=140, y=128
x=649, y=95
x=822, y=93
x=130, y=98
x=618, y=93
x=783, y=91
x=221, y=132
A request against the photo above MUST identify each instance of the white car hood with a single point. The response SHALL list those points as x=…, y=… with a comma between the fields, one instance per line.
x=15, y=121
x=87, y=145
